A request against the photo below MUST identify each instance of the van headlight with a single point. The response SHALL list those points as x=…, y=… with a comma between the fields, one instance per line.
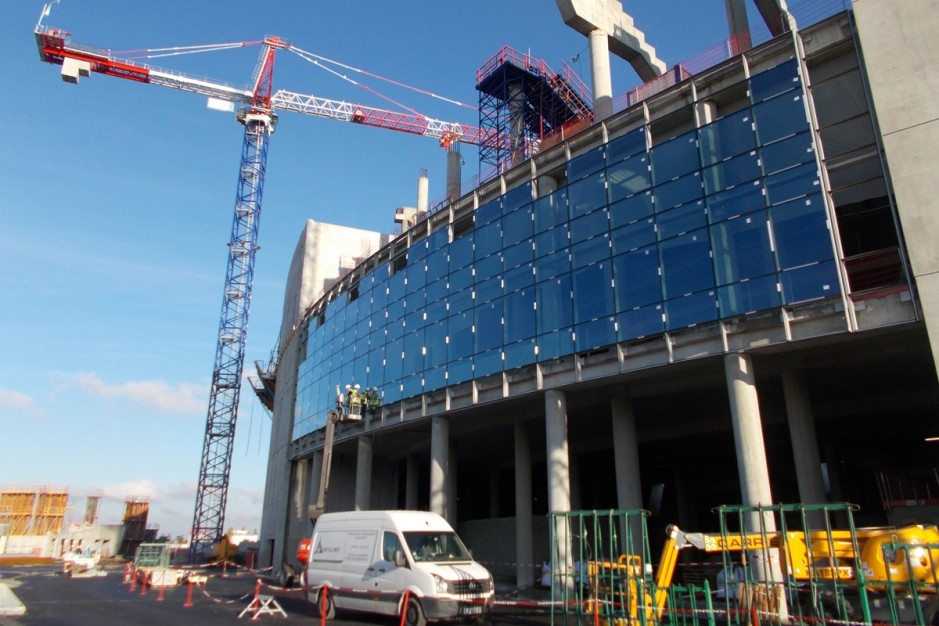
x=441, y=584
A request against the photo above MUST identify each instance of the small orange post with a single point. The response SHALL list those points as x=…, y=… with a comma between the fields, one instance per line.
x=133, y=579
x=404, y=605
x=143, y=584
x=188, y=603
x=257, y=598
x=324, y=604
x=160, y=593
x=224, y=569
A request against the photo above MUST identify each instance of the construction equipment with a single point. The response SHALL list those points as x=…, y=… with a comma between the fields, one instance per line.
x=257, y=114
x=349, y=408
x=794, y=566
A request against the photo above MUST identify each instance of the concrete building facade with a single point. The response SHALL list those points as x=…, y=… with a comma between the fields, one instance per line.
x=721, y=294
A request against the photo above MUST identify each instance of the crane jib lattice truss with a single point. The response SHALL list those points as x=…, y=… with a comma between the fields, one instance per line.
x=257, y=116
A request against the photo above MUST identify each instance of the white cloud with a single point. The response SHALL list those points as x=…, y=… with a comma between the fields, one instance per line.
x=19, y=405
x=157, y=394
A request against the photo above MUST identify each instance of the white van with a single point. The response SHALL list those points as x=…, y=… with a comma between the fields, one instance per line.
x=366, y=560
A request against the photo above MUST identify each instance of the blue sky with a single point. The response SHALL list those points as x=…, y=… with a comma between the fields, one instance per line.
x=117, y=199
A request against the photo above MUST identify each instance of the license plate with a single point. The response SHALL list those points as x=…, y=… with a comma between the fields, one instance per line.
x=471, y=610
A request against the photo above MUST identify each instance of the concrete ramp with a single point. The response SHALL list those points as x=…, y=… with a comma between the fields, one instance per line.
x=10, y=605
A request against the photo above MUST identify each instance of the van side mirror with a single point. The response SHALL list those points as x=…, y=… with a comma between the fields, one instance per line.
x=398, y=559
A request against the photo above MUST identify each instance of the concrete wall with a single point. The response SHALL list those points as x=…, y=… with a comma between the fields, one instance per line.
x=320, y=258
x=900, y=49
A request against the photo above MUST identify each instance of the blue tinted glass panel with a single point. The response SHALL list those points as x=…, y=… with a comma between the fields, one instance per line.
x=730, y=173
x=593, y=292
x=487, y=363
x=489, y=289
x=585, y=164
x=519, y=354
x=438, y=239
x=461, y=279
x=551, y=241
x=436, y=310
x=488, y=239
x=596, y=223
x=674, y=158
x=637, y=279
x=727, y=137
x=460, y=334
x=681, y=220
x=628, y=177
x=641, y=322
x=631, y=209
x=517, y=197
x=774, y=81
x=435, y=343
x=488, y=332
x=488, y=212
x=553, y=265
x=633, y=236
x=809, y=282
x=437, y=291
x=459, y=371
x=689, y=310
x=396, y=308
x=519, y=313
x=461, y=252
x=518, y=278
x=394, y=359
x=686, y=264
x=755, y=294
x=678, y=191
x=487, y=267
x=437, y=265
x=591, y=251
x=417, y=251
x=517, y=226
x=519, y=253
x=792, y=183
x=394, y=329
x=786, y=153
x=587, y=195
x=594, y=334
x=555, y=306
x=742, y=248
x=780, y=117
x=551, y=210
x=416, y=276
x=435, y=378
x=800, y=229
x=555, y=344
x=736, y=201
x=461, y=300
x=626, y=145
x=413, y=352
x=411, y=385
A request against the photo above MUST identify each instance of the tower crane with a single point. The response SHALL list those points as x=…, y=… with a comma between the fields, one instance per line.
x=257, y=114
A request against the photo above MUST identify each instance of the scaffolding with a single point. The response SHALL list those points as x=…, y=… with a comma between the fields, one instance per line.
x=33, y=510
x=522, y=101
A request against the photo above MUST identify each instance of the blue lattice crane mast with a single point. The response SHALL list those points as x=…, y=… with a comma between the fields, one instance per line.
x=257, y=116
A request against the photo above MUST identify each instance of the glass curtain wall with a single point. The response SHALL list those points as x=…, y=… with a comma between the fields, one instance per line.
x=715, y=223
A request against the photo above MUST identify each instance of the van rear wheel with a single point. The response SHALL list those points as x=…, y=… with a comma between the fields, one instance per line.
x=325, y=604
x=414, y=614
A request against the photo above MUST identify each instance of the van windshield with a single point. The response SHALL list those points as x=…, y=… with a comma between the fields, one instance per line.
x=436, y=546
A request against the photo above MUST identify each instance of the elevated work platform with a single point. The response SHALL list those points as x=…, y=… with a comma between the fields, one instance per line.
x=521, y=101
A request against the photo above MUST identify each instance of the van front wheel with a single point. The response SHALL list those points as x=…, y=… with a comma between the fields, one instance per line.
x=414, y=614
x=324, y=602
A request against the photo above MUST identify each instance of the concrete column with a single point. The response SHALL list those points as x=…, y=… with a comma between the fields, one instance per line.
x=559, y=486
x=600, y=75
x=454, y=173
x=452, y=467
x=363, y=474
x=751, y=462
x=738, y=26
x=626, y=462
x=410, y=485
x=524, y=545
x=801, y=420
x=299, y=496
x=439, y=465
x=748, y=433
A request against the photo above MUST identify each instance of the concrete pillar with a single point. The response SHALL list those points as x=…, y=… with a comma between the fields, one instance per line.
x=439, y=465
x=748, y=433
x=454, y=173
x=626, y=463
x=801, y=420
x=411, y=482
x=559, y=486
x=299, y=495
x=524, y=545
x=738, y=26
x=452, y=466
x=600, y=74
x=363, y=474
x=751, y=462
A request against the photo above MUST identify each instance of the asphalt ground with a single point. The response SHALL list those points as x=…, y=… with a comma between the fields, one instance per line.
x=53, y=599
